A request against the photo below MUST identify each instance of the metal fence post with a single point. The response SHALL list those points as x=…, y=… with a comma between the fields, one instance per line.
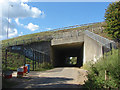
x=43, y=58
x=111, y=48
x=31, y=39
x=38, y=59
x=24, y=58
x=103, y=51
x=16, y=42
x=6, y=58
x=33, y=59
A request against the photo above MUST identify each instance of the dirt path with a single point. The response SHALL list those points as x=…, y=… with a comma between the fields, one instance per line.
x=56, y=78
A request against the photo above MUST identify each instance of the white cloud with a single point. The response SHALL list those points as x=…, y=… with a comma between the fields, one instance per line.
x=18, y=0
x=36, y=12
x=20, y=10
x=48, y=28
x=21, y=33
x=32, y=27
x=17, y=22
x=12, y=33
x=16, y=9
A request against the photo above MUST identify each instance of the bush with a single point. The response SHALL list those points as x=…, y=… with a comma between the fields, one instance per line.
x=96, y=76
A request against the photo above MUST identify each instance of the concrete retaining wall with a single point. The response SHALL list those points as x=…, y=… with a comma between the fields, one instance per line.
x=92, y=50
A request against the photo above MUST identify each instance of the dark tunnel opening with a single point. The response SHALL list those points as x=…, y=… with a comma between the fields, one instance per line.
x=61, y=53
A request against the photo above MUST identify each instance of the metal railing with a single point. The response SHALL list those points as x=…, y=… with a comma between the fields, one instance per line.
x=35, y=57
x=74, y=26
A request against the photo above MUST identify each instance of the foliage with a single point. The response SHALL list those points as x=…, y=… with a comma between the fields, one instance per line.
x=96, y=75
x=112, y=19
x=73, y=60
x=16, y=60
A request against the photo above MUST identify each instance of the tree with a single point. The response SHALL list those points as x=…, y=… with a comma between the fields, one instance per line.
x=112, y=19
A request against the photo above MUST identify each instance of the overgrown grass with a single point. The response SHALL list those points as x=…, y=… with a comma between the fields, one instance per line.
x=46, y=36
x=109, y=64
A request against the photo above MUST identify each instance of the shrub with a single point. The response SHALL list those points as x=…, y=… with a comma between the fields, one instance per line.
x=96, y=76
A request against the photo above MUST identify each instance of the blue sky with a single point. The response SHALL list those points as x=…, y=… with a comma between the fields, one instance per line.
x=57, y=15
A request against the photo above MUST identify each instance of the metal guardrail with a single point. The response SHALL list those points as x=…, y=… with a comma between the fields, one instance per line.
x=103, y=41
x=74, y=26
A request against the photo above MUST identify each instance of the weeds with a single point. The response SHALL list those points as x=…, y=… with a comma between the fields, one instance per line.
x=97, y=77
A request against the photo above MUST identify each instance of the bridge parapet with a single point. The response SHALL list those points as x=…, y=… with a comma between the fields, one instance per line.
x=103, y=41
x=69, y=34
x=68, y=37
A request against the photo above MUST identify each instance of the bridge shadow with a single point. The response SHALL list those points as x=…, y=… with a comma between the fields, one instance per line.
x=48, y=82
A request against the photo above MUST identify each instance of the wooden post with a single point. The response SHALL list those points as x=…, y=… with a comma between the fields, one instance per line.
x=105, y=75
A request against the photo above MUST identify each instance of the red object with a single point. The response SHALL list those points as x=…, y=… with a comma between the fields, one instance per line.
x=8, y=76
x=25, y=69
x=19, y=73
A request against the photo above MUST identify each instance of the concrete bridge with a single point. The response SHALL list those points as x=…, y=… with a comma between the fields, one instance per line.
x=84, y=45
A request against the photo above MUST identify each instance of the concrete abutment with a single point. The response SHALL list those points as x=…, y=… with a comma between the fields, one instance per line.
x=86, y=46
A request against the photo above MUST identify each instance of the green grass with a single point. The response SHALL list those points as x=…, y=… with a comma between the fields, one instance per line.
x=46, y=36
x=15, y=60
x=96, y=76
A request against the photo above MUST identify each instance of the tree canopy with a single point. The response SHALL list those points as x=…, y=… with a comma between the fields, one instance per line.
x=112, y=19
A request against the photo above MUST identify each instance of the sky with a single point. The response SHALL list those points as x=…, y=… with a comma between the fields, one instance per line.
x=21, y=17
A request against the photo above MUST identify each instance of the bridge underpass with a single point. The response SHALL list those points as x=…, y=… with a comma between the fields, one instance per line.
x=86, y=46
x=62, y=53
